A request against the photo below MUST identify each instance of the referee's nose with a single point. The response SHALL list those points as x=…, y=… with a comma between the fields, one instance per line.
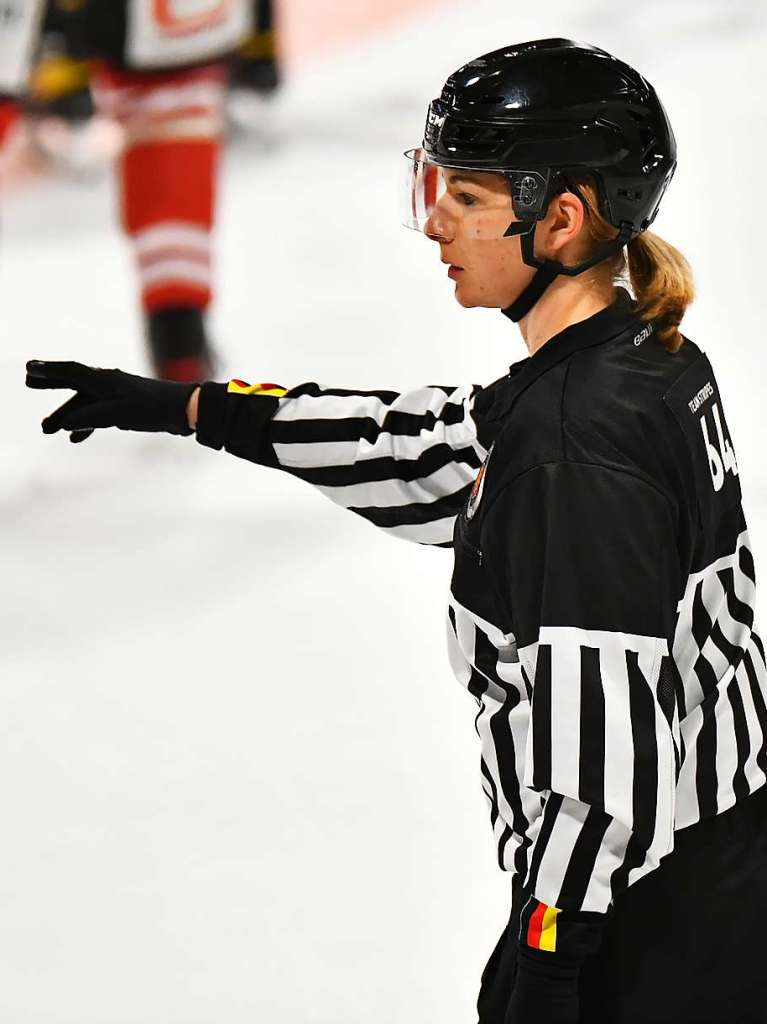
x=438, y=226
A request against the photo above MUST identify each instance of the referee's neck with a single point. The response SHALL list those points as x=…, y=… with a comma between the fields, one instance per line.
x=566, y=301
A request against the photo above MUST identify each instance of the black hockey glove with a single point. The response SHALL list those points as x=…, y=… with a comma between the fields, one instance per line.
x=543, y=991
x=110, y=398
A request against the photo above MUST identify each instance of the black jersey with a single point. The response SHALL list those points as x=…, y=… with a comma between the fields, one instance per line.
x=601, y=611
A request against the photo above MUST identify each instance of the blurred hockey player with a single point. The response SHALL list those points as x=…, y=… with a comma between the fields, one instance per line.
x=167, y=177
x=159, y=68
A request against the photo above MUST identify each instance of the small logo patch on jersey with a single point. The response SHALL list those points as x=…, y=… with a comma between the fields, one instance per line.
x=643, y=335
x=697, y=400
x=479, y=484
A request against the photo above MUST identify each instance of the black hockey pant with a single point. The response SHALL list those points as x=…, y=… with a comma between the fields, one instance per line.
x=686, y=944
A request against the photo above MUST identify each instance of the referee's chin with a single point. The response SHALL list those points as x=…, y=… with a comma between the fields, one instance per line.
x=491, y=295
x=469, y=298
x=466, y=296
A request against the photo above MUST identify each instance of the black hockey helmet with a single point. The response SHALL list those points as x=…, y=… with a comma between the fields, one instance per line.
x=539, y=112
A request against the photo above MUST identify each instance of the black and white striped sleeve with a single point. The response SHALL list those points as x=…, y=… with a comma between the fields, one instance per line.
x=404, y=461
x=586, y=558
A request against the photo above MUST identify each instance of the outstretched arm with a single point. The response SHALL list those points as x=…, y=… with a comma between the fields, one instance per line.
x=404, y=461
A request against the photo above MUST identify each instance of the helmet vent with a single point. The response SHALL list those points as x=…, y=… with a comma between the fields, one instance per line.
x=484, y=139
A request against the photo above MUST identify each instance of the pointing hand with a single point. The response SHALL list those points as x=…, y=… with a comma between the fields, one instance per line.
x=110, y=398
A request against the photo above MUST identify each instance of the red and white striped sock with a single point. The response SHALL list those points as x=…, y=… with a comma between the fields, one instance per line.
x=172, y=122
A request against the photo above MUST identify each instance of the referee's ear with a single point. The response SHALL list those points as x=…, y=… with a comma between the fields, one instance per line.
x=558, y=235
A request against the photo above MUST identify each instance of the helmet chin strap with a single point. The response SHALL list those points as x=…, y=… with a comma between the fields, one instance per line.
x=547, y=270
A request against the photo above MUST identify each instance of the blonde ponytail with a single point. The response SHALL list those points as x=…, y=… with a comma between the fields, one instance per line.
x=662, y=281
x=660, y=276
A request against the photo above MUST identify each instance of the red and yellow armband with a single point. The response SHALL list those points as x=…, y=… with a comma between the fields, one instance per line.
x=227, y=418
x=241, y=387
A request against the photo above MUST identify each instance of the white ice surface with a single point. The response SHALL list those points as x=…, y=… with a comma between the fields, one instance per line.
x=238, y=781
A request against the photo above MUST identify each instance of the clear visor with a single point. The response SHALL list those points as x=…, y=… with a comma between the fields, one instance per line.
x=521, y=197
x=423, y=186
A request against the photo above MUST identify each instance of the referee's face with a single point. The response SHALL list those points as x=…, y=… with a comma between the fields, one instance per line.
x=469, y=221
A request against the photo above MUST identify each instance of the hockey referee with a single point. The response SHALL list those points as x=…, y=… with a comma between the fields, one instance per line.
x=601, y=612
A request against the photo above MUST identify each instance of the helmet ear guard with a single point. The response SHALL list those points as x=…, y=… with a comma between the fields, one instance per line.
x=531, y=192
